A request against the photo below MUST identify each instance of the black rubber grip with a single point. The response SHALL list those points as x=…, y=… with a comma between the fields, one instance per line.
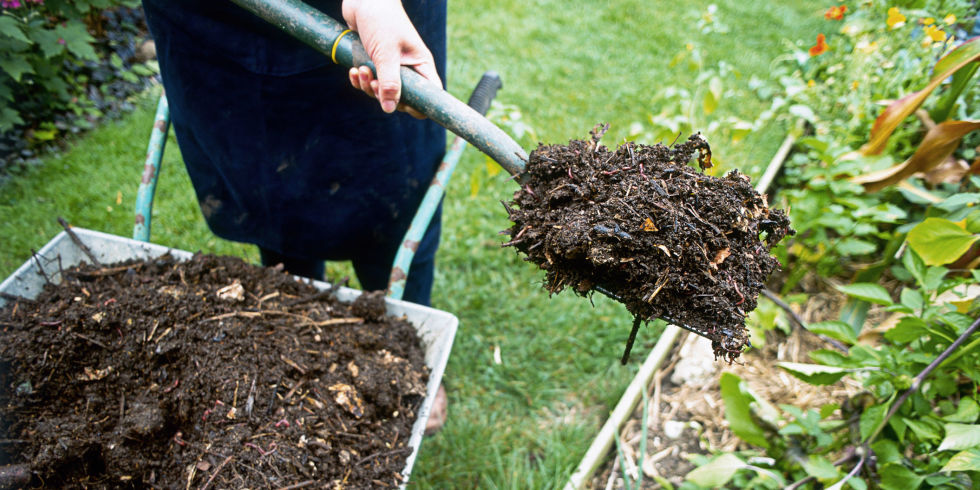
x=485, y=92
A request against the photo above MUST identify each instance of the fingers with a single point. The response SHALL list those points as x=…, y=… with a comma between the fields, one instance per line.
x=387, y=63
x=362, y=79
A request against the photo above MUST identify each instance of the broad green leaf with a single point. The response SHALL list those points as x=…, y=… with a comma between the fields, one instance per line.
x=886, y=450
x=814, y=373
x=857, y=483
x=855, y=246
x=937, y=145
x=968, y=460
x=912, y=298
x=871, y=419
x=820, y=468
x=957, y=201
x=923, y=428
x=940, y=241
x=960, y=436
x=77, y=39
x=913, y=263
x=11, y=28
x=959, y=322
x=829, y=357
x=738, y=411
x=934, y=278
x=716, y=473
x=961, y=80
x=897, y=111
x=15, y=66
x=895, y=476
x=966, y=412
x=837, y=330
x=907, y=329
x=867, y=291
x=48, y=41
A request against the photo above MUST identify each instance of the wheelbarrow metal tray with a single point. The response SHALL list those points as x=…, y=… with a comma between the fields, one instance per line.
x=436, y=328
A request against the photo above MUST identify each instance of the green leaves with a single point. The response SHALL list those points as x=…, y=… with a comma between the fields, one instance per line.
x=940, y=241
x=968, y=460
x=12, y=28
x=716, y=473
x=836, y=330
x=960, y=436
x=814, y=373
x=867, y=291
x=738, y=411
x=871, y=420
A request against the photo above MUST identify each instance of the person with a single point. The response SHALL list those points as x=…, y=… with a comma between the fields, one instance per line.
x=307, y=160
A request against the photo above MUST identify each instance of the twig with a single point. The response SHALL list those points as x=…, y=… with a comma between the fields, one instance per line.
x=632, y=338
x=78, y=242
x=921, y=377
x=40, y=268
x=383, y=453
x=89, y=339
x=864, y=448
x=216, y=471
x=799, y=321
x=294, y=486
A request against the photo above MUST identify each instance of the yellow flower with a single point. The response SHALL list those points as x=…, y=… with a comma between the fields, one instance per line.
x=935, y=33
x=854, y=85
x=810, y=83
x=949, y=19
x=895, y=18
x=928, y=21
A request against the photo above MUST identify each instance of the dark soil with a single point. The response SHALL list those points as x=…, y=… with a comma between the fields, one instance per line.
x=642, y=226
x=210, y=373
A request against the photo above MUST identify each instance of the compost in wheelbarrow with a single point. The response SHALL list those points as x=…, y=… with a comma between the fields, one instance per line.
x=641, y=225
x=208, y=373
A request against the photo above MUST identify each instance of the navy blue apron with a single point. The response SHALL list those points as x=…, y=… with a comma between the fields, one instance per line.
x=283, y=152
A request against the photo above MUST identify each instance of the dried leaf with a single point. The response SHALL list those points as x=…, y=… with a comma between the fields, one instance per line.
x=346, y=396
x=90, y=374
x=233, y=292
x=721, y=256
x=897, y=111
x=938, y=144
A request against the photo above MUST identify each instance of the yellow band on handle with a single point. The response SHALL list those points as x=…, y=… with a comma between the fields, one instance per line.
x=333, y=51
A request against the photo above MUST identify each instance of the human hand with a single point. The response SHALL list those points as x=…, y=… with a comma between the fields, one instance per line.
x=391, y=41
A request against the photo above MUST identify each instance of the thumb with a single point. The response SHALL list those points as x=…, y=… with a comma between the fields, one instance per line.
x=387, y=64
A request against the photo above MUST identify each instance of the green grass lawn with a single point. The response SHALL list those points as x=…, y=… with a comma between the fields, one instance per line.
x=525, y=422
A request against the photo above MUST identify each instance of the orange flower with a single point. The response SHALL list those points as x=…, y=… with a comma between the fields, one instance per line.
x=835, y=13
x=821, y=46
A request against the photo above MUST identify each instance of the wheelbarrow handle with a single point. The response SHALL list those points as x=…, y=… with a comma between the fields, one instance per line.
x=344, y=47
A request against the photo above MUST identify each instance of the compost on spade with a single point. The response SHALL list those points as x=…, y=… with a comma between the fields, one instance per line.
x=644, y=227
x=210, y=373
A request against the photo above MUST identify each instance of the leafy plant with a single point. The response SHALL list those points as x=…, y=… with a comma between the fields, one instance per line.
x=918, y=418
x=49, y=62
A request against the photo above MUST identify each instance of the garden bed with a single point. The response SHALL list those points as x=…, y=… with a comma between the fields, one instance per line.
x=685, y=410
x=177, y=370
